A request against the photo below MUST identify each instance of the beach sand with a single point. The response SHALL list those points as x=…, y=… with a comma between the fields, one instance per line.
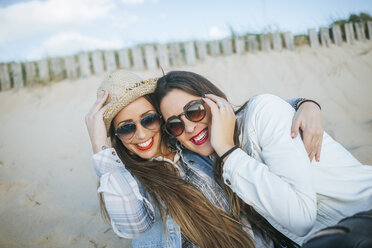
x=47, y=183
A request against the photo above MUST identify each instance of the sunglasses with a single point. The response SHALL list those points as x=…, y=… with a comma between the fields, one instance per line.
x=194, y=111
x=126, y=131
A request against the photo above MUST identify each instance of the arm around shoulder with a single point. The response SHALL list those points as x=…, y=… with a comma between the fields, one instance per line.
x=280, y=187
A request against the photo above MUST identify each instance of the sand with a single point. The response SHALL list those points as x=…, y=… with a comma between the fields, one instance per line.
x=47, y=183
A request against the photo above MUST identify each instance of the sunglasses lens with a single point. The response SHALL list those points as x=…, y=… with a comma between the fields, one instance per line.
x=126, y=131
x=174, y=126
x=195, y=112
x=151, y=121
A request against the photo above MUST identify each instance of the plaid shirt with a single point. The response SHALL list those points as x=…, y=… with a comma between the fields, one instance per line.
x=131, y=213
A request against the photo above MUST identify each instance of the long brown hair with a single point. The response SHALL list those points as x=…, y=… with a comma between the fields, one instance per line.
x=200, y=221
x=197, y=85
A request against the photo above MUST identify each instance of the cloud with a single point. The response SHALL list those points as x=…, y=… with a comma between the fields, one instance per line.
x=71, y=43
x=217, y=33
x=32, y=18
x=123, y=20
x=132, y=2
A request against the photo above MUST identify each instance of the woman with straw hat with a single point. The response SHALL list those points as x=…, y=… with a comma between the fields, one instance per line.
x=153, y=195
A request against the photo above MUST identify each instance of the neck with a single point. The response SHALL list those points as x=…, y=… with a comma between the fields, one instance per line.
x=166, y=153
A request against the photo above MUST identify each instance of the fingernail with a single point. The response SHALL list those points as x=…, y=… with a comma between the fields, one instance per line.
x=293, y=135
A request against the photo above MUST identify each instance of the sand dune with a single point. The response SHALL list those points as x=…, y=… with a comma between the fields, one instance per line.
x=48, y=186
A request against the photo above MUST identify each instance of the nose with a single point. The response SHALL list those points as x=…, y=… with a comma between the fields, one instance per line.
x=189, y=125
x=140, y=132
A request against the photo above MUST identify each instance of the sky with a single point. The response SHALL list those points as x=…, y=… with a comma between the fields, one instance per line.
x=31, y=29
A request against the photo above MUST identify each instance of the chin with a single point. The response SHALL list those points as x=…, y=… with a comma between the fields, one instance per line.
x=204, y=150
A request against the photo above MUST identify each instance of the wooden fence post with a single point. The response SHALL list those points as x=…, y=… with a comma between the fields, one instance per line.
x=150, y=57
x=265, y=42
x=57, y=69
x=277, y=42
x=30, y=73
x=190, y=53
x=70, y=67
x=124, y=61
x=239, y=45
x=336, y=32
x=227, y=47
x=215, y=48
x=176, y=55
x=252, y=44
x=84, y=65
x=43, y=70
x=4, y=77
x=17, y=76
x=289, y=41
x=110, y=60
x=97, y=62
x=313, y=37
x=137, y=56
x=163, y=55
x=324, y=37
x=202, y=50
x=349, y=31
x=369, y=24
x=360, y=31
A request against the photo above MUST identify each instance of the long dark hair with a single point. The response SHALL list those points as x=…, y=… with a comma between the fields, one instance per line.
x=197, y=85
x=200, y=221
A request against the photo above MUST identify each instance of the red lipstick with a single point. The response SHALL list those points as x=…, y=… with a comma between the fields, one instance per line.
x=146, y=147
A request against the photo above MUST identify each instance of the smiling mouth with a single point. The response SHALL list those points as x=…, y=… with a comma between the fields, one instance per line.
x=145, y=145
x=200, y=138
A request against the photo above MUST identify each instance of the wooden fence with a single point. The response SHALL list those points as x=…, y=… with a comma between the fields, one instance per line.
x=150, y=57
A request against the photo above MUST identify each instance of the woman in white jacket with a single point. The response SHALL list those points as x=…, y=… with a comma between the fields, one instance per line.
x=257, y=159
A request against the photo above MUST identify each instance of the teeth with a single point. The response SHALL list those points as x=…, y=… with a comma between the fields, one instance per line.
x=144, y=144
x=200, y=136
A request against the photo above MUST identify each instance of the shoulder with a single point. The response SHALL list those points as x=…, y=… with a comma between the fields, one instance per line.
x=264, y=114
x=264, y=104
x=265, y=101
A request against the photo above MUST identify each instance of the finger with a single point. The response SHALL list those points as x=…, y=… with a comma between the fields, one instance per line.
x=222, y=103
x=307, y=142
x=295, y=127
x=104, y=108
x=319, y=148
x=215, y=98
x=311, y=156
x=212, y=105
x=101, y=99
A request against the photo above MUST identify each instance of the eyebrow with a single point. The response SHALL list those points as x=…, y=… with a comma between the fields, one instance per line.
x=131, y=120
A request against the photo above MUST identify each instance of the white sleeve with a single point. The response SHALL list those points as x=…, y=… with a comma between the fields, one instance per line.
x=282, y=187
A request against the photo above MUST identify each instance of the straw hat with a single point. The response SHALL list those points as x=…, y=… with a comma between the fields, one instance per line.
x=124, y=87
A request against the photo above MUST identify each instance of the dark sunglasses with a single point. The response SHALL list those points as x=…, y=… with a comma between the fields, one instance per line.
x=194, y=111
x=126, y=131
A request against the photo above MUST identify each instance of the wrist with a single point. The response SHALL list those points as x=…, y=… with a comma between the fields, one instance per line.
x=309, y=103
x=99, y=147
x=227, y=154
x=223, y=149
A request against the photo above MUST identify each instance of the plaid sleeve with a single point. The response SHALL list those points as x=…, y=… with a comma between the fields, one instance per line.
x=131, y=214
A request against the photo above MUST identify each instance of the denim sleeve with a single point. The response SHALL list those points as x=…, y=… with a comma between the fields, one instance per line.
x=294, y=102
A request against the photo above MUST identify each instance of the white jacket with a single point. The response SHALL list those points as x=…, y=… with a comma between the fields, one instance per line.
x=272, y=173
